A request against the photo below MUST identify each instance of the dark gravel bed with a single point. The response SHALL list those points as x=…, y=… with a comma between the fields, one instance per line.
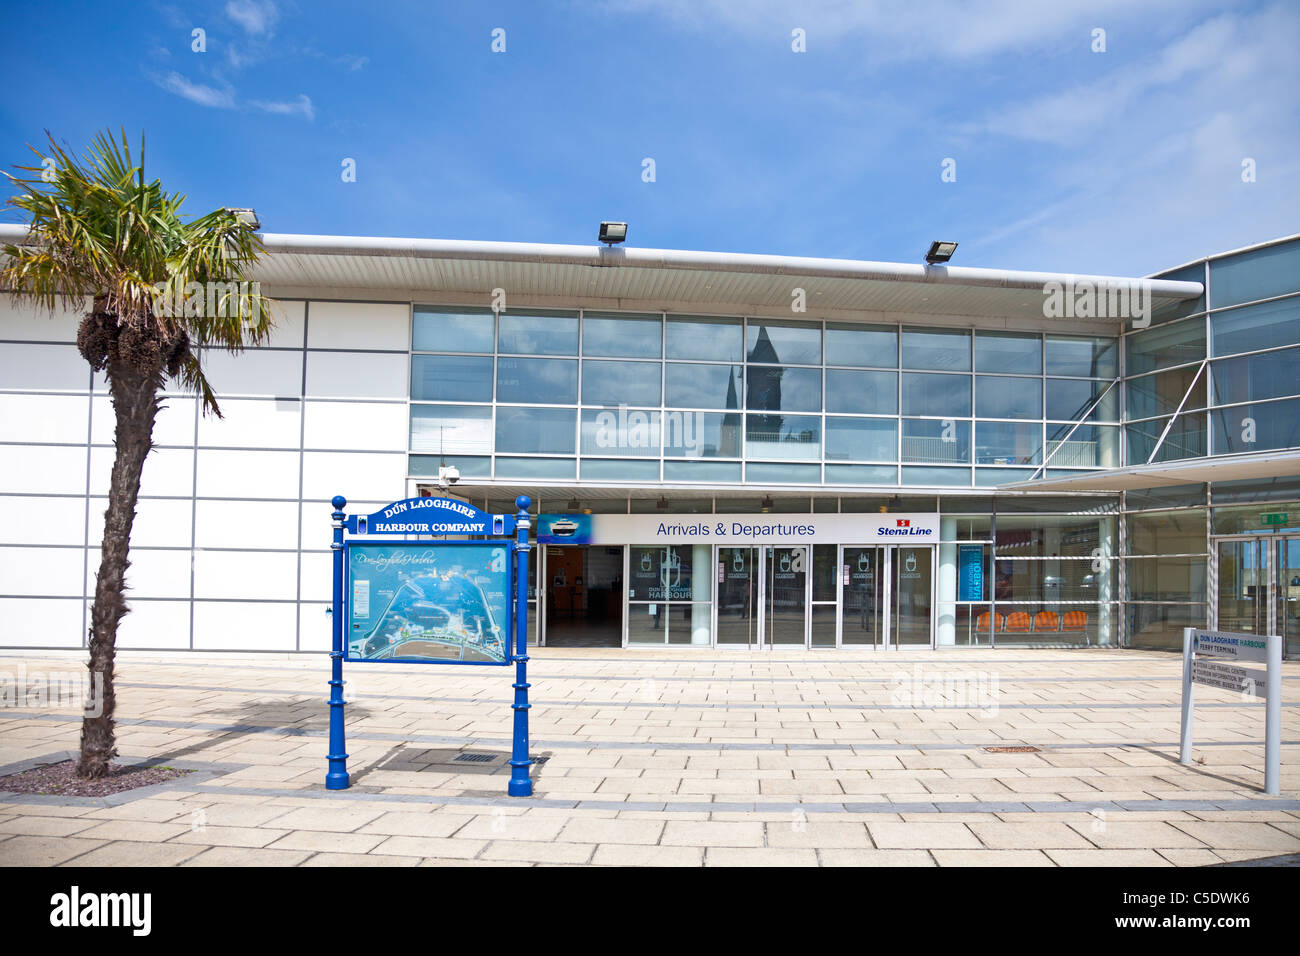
x=60, y=779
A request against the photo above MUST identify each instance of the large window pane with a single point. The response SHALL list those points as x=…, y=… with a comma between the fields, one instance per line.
x=936, y=394
x=1165, y=346
x=1088, y=446
x=451, y=378
x=940, y=441
x=1008, y=443
x=1008, y=352
x=783, y=436
x=1167, y=579
x=1070, y=398
x=624, y=431
x=1260, y=427
x=1260, y=274
x=1256, y=327
x=944, y=349
x=622, y=335
x=1169, y=532
x=861, y=393
x=1186, y=439
x=451, y=330
x=796, y=343
x=538, y=333
x=536, y=430
x=874, y=346
x=620, y=383
x=771, y=387
x=552, y=381
x=1162, y=394
x=454, y=429
x=1087, y=356
x=1004, y=397
x=1254, y=377
x=702, y=386
x=701, y=435
x=705, y=338
x=861, y=439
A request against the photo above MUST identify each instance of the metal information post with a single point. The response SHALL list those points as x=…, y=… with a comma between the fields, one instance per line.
x=1211, y=658
x=430, y=602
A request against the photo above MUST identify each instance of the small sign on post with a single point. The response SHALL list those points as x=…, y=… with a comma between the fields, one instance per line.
x=1212, y=659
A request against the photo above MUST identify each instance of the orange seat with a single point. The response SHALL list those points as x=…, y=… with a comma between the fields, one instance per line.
x=1075, y=621
x=1047, y=621
x=1017, y=621
x=982, y=622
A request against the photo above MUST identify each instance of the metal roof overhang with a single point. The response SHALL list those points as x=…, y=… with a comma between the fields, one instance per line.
x=1277, y=464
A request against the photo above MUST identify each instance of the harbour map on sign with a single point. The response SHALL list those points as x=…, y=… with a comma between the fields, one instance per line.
x=445, y=603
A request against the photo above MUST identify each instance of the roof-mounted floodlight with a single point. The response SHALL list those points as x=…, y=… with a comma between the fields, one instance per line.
x=940, y=252
x=613, y=232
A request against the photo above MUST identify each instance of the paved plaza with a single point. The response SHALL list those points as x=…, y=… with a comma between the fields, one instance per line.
x=671, y=757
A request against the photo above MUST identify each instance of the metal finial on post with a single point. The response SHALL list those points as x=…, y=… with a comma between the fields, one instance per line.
x=521, y=785
x=337, y=777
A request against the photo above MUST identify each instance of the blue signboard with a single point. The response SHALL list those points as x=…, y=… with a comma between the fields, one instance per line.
x=564, y=529
x=440, y=516
x=970, y=572
x=446, y=603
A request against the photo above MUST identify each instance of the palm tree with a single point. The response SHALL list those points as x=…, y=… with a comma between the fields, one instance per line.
x=161, y=290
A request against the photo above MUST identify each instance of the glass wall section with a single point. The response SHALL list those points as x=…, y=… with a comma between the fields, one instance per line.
x=1165, y=573
x=1256, y=392
x=1164, y=347
x=692, y=398
x=1258, y=274
x=670, y=594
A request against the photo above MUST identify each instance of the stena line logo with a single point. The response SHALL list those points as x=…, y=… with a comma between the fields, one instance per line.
x=76, y=909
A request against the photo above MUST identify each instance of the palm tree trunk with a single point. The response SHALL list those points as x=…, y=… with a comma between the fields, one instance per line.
x=135, y=403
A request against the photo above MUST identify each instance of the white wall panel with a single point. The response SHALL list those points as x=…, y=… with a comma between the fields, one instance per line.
x=58, y=368
x=254, y=372
x=317, y=632
x=360, y=425
x=358, y=325
x=246, y=524
x=248, y=474
x=236, y=625
x=43, y=469
x=37, y=520
x=156, y=624
x=167, y=471
x=173, y=426
x=356, y=375
x=317, y=532
x=44, y=418
x=159, y=522
x=318, y=576
x=152, y=574
x=40, y=622
x=28, y=322
x=359, y=476
x=41, y=572
x=253, y=423
x=255, y=575
x=286, y=327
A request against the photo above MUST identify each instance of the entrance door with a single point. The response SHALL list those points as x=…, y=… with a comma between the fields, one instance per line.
x=1243, y=585
x=912, y=599
x=785, y=608
x=1288, y=594
x=738, y=596
x=863, y=580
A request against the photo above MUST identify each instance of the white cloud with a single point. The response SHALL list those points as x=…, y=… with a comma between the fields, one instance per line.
x=301, y=105
x=199, y=93
x=257, y=17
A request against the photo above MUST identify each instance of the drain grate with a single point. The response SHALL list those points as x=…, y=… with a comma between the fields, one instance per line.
x=1011, y=750
x=474, y=758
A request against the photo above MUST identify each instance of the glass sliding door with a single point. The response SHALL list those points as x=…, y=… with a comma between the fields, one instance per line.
x=863, y=621
x=1243, y=585
x=912, y=599
x=785, y=621
x=1288, y=595
x=738, y=596
x=825, y=591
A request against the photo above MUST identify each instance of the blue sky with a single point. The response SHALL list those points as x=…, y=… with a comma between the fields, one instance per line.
x=1124, y=161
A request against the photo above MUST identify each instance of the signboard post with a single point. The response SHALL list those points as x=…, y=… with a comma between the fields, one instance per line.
x=434, y=602
x=1211, y=658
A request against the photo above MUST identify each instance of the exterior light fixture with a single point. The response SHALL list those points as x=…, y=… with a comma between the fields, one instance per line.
x=940, y=252
x=767, y=504
x=248, y=216
x=613, y=232
x=662, y=502
x=574, y=504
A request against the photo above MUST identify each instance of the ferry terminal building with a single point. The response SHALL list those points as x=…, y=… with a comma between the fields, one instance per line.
x=922, y=457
